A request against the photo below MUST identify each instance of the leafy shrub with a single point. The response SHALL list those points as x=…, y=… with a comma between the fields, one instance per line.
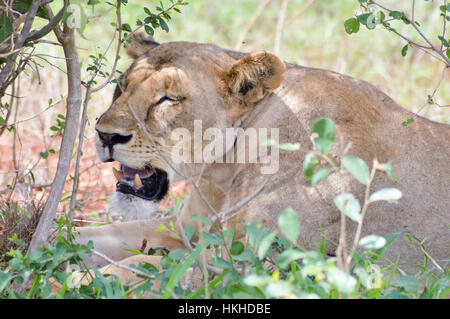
x=267, y=264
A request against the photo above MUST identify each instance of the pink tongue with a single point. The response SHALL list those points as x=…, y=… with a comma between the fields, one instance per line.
x=129, y=173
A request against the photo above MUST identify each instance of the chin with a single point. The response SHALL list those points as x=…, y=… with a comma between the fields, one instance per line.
x=130, y=207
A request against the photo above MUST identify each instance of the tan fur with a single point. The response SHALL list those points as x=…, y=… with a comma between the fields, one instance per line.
x=225, y=89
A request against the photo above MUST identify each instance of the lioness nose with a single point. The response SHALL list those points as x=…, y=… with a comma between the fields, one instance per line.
x=110, y=139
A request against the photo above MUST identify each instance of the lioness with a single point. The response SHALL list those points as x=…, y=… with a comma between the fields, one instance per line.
x=173, y=86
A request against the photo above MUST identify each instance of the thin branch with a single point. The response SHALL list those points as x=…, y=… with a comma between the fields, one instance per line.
x=50, y=26
x=233, y=211
x=89, y=91
x=445, y=24
x=430, y=98
x=115, y=263
x=429, y=256
x=363, y=211
x=280, y=24
x=7, y=69
x=119, y=45
x=250, y=24
x=288, y=22
x=432, y=47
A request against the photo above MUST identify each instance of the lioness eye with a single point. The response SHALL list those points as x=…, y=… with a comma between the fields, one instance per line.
x=164, y=98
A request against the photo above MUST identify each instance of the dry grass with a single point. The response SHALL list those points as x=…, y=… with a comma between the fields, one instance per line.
x=17, y=219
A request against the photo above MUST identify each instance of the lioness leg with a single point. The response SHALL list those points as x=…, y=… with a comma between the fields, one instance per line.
x=114, y=240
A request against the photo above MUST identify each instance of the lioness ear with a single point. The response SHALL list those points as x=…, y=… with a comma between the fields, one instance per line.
x=140, y=44
x=254, y=76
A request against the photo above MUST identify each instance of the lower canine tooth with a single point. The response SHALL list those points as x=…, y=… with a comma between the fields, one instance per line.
x=137, y=181
x=118, y=175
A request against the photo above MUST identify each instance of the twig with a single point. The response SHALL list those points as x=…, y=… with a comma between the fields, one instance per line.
x=279, y=28
x=428, y=255
x=363, y=211
x=119, y=45
x=49, y=26
x=250, y=24
x=233, y=211
x=445, y=24
x=89, y=91
x=180, y=226
x=432, y=47
x=430, y=98
x=115, y=263
x=298, y=13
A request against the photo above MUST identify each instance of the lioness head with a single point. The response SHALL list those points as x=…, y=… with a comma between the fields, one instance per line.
x=167, y=88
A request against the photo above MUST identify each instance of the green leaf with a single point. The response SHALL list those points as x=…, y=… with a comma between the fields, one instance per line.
x=255, y=280
x=357, y=167
x=189, y=231
x=342, y=281
x=246, y=256
x=325, y=129
x=212, y=284
x=178, y=254
x=289, y=224
x=372, y=242
x=351, y=25
x=443, y=8
x=212, y=239
x=320, y=175
x=126, y=27
x=237, y=248
x=407, y=121
x=288, y=256
x=388, y=169
x=443, y=40
x=161, y=228
x=5, y=279
x=135, y=251
x=163, y=25
x=309, y=164
x=364, y=17
x=23, y=5
x=396, y=15
x=390, y=238
x=265, y=245
x=405, y=50
x=5, y=27
x=349, y=205
x=241, y=291
x=221, y=263
x=180, y=271
x=392, y=294
x=410, y=283
x=289, y=146
x=149, y=30
x=388, y=194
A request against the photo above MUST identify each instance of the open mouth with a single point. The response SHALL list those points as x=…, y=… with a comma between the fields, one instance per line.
x=149, y=184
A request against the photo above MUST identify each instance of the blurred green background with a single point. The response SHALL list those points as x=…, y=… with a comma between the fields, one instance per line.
x=315, y=38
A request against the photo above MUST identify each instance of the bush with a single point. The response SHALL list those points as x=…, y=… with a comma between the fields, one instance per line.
x=267, y=265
